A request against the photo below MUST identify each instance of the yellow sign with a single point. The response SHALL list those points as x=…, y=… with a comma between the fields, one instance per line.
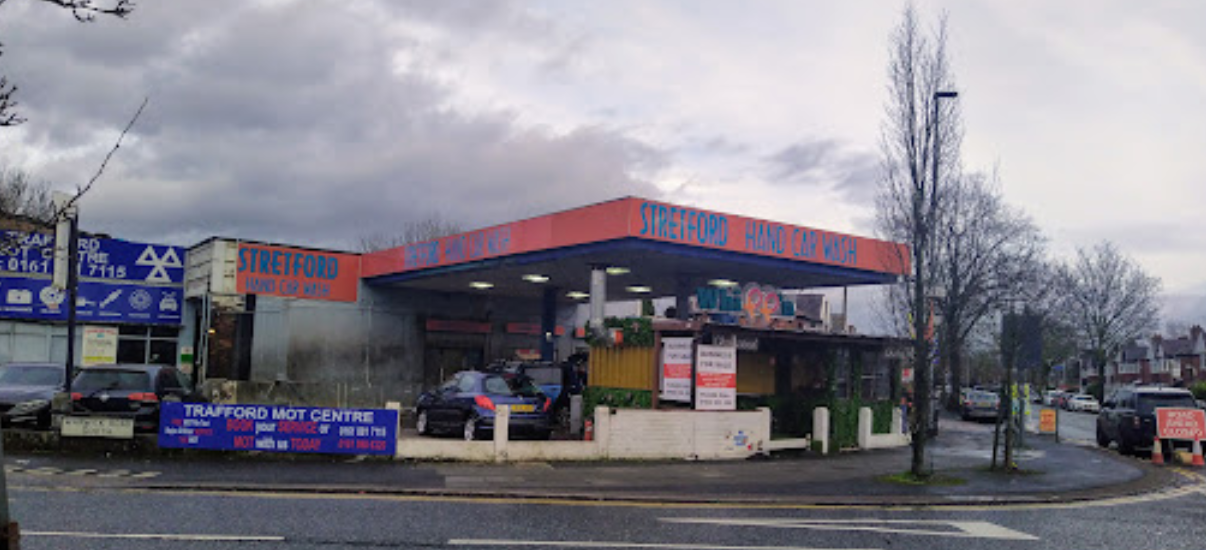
x=1047, y=421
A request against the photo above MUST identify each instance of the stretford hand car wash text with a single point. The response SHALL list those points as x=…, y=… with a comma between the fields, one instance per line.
x=288, y=264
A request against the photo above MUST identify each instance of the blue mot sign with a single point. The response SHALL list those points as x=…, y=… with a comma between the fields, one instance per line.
x=278, y=429
x=120, y=281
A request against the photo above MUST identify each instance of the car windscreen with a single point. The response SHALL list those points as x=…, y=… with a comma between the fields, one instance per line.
x=1149, y=403
x=94, y=380
x=520, y=386
x=544, y=376
x=18, y=375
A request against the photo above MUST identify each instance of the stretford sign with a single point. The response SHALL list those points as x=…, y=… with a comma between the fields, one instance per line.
x=646, y=220
x=278, y=429
x=297, y=273
x=1181, y=424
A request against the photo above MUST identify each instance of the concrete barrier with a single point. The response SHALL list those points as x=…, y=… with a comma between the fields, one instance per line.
x=868, y=440
x=619, y=434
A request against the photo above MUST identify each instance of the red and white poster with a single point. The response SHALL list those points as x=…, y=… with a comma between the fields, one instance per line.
x=716, y=378
x=676, y=369
x=1189, y=424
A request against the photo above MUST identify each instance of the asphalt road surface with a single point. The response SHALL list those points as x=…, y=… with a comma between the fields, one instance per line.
x=126, y=519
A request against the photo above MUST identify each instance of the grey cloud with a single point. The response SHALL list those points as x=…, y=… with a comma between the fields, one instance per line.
x=291, y=125
x=827, y=163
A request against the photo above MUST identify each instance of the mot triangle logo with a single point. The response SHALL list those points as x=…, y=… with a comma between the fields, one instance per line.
x=159, y=264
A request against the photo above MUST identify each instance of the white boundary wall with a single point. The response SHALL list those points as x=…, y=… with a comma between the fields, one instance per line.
x=619, y=434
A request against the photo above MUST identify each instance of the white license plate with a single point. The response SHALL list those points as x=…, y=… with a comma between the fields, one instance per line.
x=98, y=426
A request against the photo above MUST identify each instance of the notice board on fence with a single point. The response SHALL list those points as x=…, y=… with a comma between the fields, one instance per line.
x=716, y=378
x=676, y=369
x=278, y=429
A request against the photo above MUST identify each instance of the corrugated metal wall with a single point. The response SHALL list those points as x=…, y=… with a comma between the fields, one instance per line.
x=624, y=367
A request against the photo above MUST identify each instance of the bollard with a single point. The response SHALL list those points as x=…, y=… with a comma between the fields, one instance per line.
x=1157, y=453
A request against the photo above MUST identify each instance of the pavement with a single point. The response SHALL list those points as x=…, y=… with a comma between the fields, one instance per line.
x=1049, y=472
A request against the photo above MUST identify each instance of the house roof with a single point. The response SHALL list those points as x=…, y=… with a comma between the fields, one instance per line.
x=1178, y=347
x=1131, y=354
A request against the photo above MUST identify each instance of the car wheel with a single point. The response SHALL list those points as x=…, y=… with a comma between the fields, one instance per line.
x=1103, y=440
x=1124, y=447
x=422, y=425
x=471, y=428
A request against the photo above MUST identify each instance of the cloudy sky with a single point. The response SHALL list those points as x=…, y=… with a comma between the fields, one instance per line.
x=317, y=122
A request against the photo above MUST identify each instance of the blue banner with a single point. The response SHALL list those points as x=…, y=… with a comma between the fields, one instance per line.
x=96, y=301
x=278, y=429
x=100, y=258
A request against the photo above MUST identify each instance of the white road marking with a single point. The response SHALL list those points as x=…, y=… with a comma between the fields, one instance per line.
x=622, y=544
x=115, y=473
x=154, y=536
x=145, y=475
x=82, y=472
x=963, y=529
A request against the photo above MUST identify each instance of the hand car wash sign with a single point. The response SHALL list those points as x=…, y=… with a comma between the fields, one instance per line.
x=297, y=273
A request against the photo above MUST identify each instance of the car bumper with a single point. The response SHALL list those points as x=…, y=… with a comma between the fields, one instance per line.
x=980, y=413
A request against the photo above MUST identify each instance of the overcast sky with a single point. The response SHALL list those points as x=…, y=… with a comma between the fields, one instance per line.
x=316, y=122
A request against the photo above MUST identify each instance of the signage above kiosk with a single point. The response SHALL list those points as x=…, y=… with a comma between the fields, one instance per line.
x=650, y=221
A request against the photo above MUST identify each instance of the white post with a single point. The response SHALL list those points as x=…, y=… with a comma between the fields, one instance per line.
x=864, y=427
x=502, y=424
x=897, y=421
x=820, y=428
x=603, y=431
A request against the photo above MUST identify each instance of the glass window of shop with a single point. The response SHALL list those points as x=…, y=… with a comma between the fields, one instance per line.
x=147, y=344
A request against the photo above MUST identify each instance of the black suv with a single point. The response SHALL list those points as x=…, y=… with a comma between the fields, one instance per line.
x=130, y=391
x=1128, y=415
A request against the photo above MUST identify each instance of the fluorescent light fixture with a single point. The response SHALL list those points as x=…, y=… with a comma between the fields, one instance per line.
x=617, y=270
x=535, y=278
x=577, y=295
x=481, y=285
x=640, y=289
x=722, y=283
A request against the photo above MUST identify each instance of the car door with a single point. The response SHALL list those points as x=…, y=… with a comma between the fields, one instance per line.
x=441, y=412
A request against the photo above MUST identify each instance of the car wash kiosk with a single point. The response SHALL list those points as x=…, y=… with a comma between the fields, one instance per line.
x=735, y=282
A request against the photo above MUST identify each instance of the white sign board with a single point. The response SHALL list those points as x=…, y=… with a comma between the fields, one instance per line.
x=676, y=369
x=98, y=426
x=100, y=346
x=716, y=378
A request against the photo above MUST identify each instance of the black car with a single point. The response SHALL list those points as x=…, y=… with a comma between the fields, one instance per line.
x=129, y=391
x=1128, y=415
x=467, y=402
x=558, y=381
x=26, y=390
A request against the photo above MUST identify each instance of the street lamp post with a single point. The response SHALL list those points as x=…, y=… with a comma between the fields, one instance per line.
x=922, y=379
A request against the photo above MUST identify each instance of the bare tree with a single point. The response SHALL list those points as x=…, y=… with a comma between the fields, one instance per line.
x=985, y=254
x=426, y=229
x=24, y=199
x=1109, y=298
x=913, y=140
x=85, y=11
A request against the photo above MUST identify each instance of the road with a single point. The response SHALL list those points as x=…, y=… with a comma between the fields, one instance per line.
x=63, y=516
x=1077, y=427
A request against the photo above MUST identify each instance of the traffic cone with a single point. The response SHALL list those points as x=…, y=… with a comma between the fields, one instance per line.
x=1197, y=454
x=1157, y=453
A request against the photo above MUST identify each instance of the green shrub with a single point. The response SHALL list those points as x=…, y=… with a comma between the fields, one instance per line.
x=616, y=398
x=637, y=332
x=1198, y=389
